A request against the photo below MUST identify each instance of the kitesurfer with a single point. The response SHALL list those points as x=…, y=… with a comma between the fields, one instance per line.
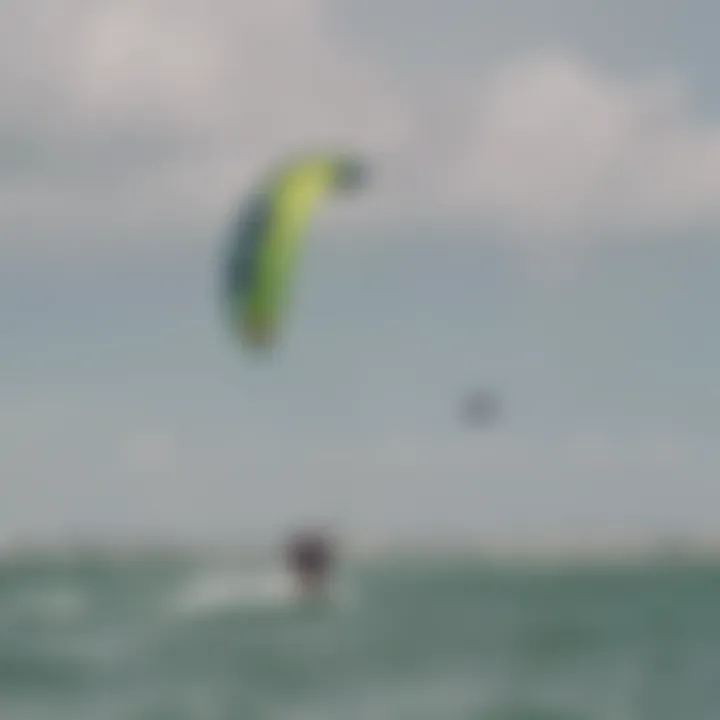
x=310, y=559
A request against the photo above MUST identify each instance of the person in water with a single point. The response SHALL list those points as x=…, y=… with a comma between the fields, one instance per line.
x=310, y=559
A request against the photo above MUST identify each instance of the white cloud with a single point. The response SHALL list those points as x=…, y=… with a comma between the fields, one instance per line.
x=559, y=146
x=137, y=112
x=128, y=121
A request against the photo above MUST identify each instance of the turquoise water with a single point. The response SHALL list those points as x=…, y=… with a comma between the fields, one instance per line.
x=180, y=637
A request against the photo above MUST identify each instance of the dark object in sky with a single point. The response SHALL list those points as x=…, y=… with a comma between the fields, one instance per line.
x=481, y=407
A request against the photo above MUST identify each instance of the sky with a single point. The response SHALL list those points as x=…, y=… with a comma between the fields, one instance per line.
x=542, y=222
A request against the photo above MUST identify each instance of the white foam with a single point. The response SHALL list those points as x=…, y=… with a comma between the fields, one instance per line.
x=226, y=589
x=218, y=590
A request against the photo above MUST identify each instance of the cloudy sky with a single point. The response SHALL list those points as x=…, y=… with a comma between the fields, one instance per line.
x=543, y=221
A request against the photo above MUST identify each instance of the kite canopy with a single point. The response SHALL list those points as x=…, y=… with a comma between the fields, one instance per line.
x=267, y=239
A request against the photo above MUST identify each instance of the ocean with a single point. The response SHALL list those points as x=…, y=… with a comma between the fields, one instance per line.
x=181, y=636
